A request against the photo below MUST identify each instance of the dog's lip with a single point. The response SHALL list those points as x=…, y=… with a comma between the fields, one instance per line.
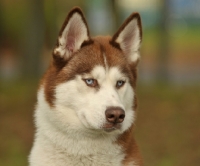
x=108, y=127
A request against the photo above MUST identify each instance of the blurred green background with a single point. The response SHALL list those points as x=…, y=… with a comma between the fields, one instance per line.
x=168, y=123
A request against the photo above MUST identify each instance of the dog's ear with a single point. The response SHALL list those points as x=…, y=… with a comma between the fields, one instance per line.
x=128, y=37
x=73, y=34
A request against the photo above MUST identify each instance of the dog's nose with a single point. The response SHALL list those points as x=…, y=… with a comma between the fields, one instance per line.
x=115, y=115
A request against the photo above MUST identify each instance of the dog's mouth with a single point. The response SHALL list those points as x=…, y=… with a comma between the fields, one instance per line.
x=109, y=127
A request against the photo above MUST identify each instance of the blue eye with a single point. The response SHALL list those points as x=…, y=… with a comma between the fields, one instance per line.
x=120, y=83
x=91, y=82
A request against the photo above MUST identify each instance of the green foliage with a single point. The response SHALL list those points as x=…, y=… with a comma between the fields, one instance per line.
x=13, y=20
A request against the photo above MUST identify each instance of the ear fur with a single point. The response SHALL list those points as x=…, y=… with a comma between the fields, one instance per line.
x=73, y=34
x=128, y=37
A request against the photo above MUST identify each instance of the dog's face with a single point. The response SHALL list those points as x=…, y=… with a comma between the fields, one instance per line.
x=91, y=82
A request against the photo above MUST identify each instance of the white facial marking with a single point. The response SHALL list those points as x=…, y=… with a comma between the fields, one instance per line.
x=105, y=61
x=87, y=105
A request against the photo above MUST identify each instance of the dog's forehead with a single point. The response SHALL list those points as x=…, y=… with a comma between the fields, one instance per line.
x=113, y=57
x=100, y=53
x=104, y=73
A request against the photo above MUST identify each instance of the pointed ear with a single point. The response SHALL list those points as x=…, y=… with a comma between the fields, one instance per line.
x=73, y=34
x=128, y=37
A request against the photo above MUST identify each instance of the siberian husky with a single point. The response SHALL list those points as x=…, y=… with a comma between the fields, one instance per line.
x=86, y=100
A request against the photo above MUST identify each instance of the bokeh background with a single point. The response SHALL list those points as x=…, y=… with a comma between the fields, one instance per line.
x=168, y=118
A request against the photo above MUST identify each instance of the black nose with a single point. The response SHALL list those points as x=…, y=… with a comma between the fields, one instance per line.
x=115, y=115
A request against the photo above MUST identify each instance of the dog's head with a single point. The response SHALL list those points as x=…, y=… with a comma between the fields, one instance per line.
x=91, y=82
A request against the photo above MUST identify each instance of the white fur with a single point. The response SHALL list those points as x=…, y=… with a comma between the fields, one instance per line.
x=71, y=134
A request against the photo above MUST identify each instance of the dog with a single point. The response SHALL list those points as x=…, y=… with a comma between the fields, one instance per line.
x=86, y=101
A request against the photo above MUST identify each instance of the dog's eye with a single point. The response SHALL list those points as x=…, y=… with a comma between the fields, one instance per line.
x=91, y=82
x=120, y=83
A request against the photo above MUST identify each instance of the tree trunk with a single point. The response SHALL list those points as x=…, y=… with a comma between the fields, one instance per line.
x=33, y=40
x=164, y=44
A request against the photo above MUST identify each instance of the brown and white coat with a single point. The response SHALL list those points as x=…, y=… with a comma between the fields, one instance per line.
x=86, y=100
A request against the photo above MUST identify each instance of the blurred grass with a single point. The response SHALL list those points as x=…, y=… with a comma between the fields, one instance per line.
x=167, y=126
x=17, y=101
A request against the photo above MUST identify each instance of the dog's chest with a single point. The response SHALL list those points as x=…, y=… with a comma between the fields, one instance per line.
x=90, y=160
x=101, y=154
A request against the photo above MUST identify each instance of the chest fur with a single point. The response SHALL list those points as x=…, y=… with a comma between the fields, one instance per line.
x=95, y=153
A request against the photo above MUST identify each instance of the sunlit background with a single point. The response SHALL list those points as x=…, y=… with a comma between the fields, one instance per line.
x=168, y=118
